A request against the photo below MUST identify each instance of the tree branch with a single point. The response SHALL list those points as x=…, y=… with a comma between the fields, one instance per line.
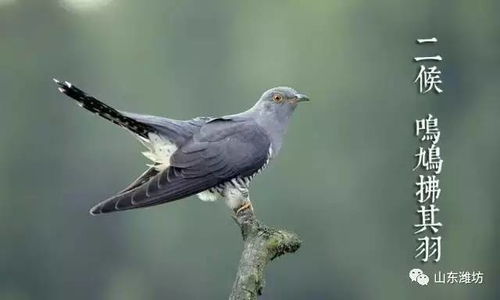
x=261, y=245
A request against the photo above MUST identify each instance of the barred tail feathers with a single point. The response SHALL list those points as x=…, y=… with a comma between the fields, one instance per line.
x=103, y=110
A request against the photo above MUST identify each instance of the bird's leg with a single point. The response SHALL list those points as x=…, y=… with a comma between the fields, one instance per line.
x=245, y=202
x=237, y=198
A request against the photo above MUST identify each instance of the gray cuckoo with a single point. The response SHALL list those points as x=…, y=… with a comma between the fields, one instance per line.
x=211, y=157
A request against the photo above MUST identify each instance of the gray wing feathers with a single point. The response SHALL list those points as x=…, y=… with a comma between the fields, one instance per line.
x=148, y=174
x=222, y=150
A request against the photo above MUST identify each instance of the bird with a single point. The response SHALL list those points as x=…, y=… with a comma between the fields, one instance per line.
x=211, y=157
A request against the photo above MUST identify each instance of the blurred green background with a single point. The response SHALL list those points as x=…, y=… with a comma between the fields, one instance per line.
x=343, y=181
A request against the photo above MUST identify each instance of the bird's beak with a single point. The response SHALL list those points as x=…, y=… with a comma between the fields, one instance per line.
x=302, y=98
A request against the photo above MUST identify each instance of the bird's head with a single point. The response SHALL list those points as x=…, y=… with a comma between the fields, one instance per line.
x=279, y=102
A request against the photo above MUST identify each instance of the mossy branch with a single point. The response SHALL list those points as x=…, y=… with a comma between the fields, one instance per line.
x=261, y=245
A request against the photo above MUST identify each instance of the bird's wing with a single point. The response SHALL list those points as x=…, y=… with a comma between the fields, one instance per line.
x=220, y=151
x=148, y=174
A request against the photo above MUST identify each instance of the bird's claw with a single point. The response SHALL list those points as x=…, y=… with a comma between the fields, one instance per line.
x=247, y=205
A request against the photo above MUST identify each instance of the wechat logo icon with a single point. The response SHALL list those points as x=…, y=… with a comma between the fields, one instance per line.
x=417, y=275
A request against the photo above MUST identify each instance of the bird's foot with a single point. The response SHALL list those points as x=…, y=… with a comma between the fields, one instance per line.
x=247, y=205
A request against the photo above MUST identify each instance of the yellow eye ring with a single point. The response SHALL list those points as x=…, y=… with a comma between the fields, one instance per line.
x=277, y=98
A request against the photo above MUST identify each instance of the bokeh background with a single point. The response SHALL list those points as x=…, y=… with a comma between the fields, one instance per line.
x=343, y=181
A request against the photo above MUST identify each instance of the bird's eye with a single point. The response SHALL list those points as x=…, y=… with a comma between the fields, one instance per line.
x=277, y=98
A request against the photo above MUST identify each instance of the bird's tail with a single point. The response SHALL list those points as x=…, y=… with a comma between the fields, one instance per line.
x=107, y=112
